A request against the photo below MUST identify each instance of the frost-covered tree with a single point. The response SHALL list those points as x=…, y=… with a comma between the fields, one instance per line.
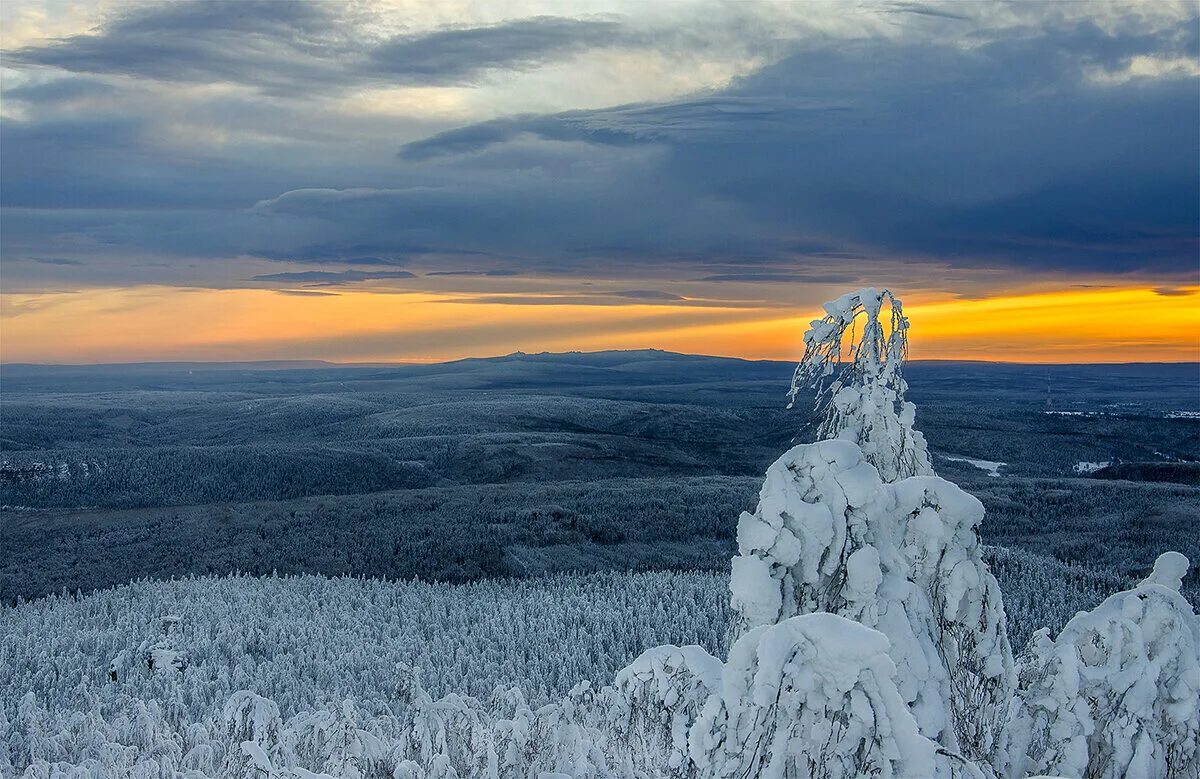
x=860, y=383
x=454, y=727
x=859, y=525
x=252, y=730
x=1117, y=694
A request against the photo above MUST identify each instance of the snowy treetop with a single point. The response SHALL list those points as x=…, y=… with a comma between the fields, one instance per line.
x=863, y=401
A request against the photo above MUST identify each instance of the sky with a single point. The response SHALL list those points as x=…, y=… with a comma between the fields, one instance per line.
x=413, y=181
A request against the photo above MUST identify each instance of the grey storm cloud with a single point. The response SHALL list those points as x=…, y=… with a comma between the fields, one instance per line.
x=372, y=255
x=1002, y=153
x=594, y=298
x=792, y=278
x=690, y=121
x=306, y=293
x=269, y=43
x=1006, y=153
x=290, y=47
x=60, y=90
x=645, y=294
x=60, y=261
x=926, y=10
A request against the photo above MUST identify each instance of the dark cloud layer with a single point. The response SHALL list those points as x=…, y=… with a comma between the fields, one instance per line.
x=269, y=43
x=1034, y=149
x=619, y=298
x=60, y=261
x=795, y=278
x=288, y=46
x=1000, y=154
x=493, y=273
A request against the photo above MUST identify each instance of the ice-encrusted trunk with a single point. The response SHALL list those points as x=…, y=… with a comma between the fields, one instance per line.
x=1117, y=694
x=858, y=525
x=860, y=383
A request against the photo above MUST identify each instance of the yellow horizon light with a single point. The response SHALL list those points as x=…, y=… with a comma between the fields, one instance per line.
x=358, y=325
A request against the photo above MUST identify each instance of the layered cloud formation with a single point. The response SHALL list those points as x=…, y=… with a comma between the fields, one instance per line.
x=754, y=154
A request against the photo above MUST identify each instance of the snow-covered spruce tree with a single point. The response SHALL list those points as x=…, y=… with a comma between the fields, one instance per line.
x=331, y=739
x=860, y=384
x=554, y=740
x=454, y=727
x=250, y=719
x=1117, y=694
x=901, y=555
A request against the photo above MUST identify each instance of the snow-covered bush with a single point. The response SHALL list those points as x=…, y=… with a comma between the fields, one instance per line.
x=864, y=402
x=1117, y=694
x=812, y=696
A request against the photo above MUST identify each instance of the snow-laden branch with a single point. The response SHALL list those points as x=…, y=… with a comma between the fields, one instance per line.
x=664, y=689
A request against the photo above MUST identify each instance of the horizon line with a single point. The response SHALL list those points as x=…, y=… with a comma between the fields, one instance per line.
x=317, y=363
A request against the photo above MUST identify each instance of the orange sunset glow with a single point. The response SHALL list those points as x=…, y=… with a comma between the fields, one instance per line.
x=168, y=323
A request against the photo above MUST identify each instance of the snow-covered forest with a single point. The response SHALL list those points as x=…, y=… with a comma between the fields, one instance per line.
x=349, y=635
x=861, y=630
